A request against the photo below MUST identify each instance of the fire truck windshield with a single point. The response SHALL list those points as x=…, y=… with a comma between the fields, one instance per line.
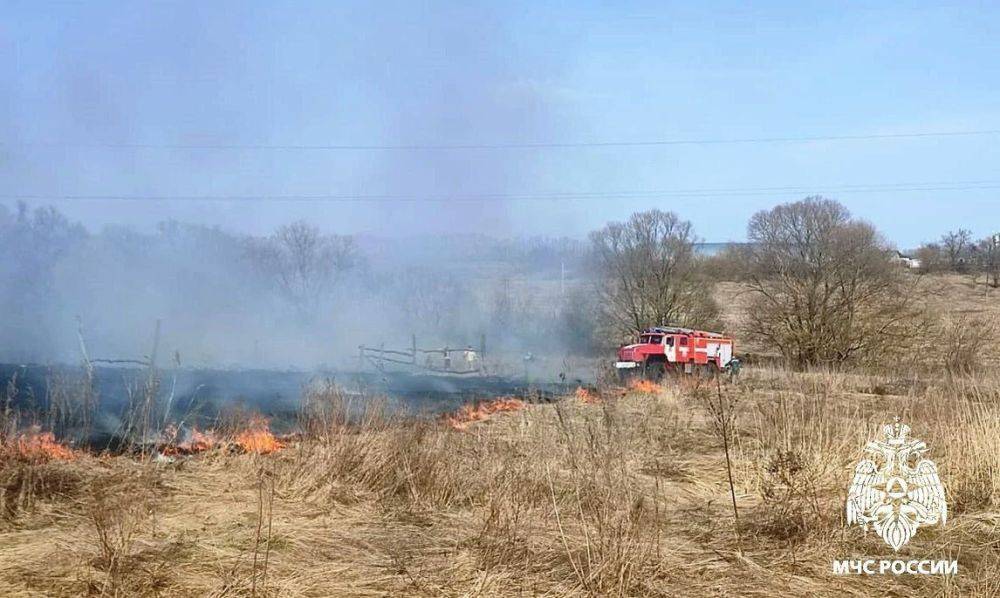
x=651, y=339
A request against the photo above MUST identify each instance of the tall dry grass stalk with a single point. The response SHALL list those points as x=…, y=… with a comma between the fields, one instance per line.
x=722, y=410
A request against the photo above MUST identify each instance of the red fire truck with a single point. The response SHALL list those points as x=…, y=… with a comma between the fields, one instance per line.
x=670, y=349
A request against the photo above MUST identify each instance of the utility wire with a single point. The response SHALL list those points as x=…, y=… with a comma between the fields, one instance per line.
x=501, y=146
x=541, y=196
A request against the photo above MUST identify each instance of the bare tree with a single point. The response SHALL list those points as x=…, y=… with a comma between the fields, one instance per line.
x=956, y=245
x=429, y=299
x=989, y=259
x=649, y=275
x=303, y=263
x=823, y=287
x=932, y=258
x=963, y=341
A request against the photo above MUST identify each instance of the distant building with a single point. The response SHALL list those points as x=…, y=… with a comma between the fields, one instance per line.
x=905, y=261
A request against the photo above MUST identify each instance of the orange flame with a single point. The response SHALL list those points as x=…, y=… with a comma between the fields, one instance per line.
x=37, y=446
x=196, y=442
x=201, y=441
x=469, y=414
x=586, y=395
x=257, y=438
x=645, y=386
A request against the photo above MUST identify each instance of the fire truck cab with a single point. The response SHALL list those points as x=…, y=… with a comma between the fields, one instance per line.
x=671, y=349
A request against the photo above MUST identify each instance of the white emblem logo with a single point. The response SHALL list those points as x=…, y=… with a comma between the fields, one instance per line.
x=896, y=490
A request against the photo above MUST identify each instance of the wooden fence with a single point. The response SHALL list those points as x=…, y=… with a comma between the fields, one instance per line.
x=446, y=360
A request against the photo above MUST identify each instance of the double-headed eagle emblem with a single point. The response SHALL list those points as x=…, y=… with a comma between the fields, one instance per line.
x=895, y=489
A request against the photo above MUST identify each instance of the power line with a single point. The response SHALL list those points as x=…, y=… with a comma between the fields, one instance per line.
x=501, y=146
x=540, y=196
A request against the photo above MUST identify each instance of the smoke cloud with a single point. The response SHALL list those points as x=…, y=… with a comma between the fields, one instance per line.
x=105, y=101
x=299, y=297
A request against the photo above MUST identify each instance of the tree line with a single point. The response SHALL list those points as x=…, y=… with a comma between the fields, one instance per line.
x=815, y=285
x=818, y=286
x=957, y=251
x=297, y=296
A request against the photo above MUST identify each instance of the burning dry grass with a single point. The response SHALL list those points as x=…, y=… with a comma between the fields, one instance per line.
x=623, y=496
x=256, y=437
x=250, y=436
x=586, y=395
x=34, y=446
x=467, y=415
x=644, y=386
x=33, y=467
x=191, y=442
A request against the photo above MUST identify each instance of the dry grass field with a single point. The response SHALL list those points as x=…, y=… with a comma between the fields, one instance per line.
x=951, y=299
x=607, y=492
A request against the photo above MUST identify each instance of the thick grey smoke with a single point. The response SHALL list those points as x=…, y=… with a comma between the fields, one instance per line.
x=99, y=98
x=297, y=298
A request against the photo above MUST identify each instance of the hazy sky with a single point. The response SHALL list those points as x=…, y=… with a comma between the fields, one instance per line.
x=83, y=83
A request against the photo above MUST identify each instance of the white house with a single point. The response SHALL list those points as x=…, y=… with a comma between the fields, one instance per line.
x=905, y=261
